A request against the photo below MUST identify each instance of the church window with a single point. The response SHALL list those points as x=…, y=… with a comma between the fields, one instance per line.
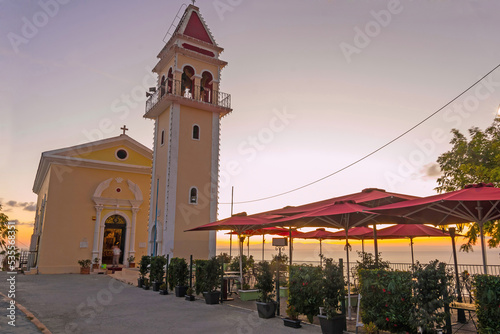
x=193, y=195
x=121, y=154
x=196, y=132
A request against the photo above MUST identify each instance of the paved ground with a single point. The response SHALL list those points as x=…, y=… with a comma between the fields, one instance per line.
x=101, y=304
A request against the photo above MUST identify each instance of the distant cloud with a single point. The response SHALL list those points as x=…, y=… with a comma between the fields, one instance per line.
x=431, y=171
x=18, y=223
x=28, y=206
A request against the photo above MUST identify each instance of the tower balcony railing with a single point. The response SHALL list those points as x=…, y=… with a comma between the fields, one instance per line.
x=177, y=88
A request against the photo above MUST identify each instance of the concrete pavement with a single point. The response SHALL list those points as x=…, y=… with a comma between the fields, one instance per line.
x=101, y=304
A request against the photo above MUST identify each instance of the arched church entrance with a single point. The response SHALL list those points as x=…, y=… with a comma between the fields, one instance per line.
x=114, y=234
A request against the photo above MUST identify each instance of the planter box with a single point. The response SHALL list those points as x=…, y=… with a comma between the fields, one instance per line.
x=354, y=300
x=283, y=292
x=180, y=291
x=247, y=295
x=266, y=310
x=212, y=298
x=131, y=265
x=336, y=325
x=156, y=286
x=140, y=282
x=190, y=298
x=164, y=292
x=291, y=323
x=85, y=271
x=95, y=266
x=145, y=287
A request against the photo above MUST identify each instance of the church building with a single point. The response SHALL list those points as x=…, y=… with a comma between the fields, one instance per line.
x=91, y=197
x=186, y=106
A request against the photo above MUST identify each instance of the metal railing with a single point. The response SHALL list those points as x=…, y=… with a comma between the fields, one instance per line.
x=189, y=91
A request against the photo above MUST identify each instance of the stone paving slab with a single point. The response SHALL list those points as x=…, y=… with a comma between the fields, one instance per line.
x=100, y=304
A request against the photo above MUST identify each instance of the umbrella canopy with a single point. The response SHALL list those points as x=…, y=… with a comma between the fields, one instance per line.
x=239, y=224
x=319, y=234
x=359, y=232
x=343, y=214
x=369, y=197
x=410, y=231
x=475, y=203
x=262, y=231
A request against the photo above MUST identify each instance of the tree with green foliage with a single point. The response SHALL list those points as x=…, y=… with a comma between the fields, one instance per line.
x=473, y=160
x=4, y=229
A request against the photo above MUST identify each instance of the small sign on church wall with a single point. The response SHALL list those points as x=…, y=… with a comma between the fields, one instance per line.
x=84, y=243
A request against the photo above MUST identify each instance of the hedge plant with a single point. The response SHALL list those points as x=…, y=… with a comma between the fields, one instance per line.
x=432, y=291
x=387, y=299
x=144, y=265
x=157, y=268
x=200, y=269
x=178, y=272
x=333, y=288
x=305, y=289
x=265, y=282
x=486, y=290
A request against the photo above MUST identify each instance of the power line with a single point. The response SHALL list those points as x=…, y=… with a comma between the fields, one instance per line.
x=375, y=151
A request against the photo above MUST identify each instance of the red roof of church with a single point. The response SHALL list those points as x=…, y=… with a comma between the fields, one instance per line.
x=196, y=29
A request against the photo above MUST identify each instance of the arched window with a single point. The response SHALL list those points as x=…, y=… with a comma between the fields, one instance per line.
x=193, y=195
x=170, y=82
x=187, y=82
x=196, y=132
x=206, y=87
x=162, y=86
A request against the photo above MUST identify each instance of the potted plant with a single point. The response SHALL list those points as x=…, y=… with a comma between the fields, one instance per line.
x=131, y=263
x=95, y=265
x=146, y=284
x=199, y=284
x=305, y=289
x=333, y=285
x=157, y=271
x=293, y=317
x=85, y=266
x=266, y=307
x=143, y=269
x=189, y=294
x=247, y=294
x=163, y=289
x=212, y=280
x=178, y=274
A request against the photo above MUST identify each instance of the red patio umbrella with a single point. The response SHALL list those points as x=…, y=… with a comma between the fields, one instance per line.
x=319, y=234
x=410, y=231
x=475, y=203
x=343, y=214
x=239, y=224
x=359, y=232
x=262, y=231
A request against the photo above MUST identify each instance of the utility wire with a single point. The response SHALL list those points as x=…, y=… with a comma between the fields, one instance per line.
x=375, y=151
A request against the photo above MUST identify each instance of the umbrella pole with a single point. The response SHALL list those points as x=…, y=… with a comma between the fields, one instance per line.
x=375, y=242
x=230, y=244
x=320, y=254
x=460, y=313
x=248, y=246
x=263, y=243
x=291, y=245
x=362, y=245
x=412, y=259
x=241, y=260
x=348, y=274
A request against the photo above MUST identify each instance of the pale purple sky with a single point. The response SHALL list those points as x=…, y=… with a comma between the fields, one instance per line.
x=351, y=75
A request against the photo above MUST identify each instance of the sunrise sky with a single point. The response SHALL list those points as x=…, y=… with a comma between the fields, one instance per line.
x=315, y=86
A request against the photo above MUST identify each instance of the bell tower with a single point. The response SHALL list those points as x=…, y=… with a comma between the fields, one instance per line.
x=186, y=106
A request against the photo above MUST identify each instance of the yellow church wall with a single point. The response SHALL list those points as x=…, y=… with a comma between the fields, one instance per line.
x=133, y=158
x=194, y=170
x=69, y=216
